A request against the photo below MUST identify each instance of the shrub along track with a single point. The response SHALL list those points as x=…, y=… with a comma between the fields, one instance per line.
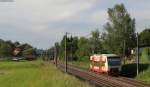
x=102, y=80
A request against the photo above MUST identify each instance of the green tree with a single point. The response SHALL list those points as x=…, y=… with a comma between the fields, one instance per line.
x=5, y=50
x=71, y=44
x=120, y=31
x=16, y=43
x=73, y=47
x=57, y=47
x=27, y=49
x=52, y=50
x=144, y=38
x=62, y=48
x=95, y=41
x=84, y=49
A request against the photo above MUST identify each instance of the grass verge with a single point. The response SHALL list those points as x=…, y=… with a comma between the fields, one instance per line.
x=144, y=75
x=35, y=74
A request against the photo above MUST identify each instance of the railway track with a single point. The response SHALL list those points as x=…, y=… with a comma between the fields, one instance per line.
x=125, y=80
x=133, y=82
x=101, y=80
x=89, y=77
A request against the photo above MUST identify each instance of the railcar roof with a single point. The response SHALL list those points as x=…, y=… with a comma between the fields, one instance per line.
x=108, y=55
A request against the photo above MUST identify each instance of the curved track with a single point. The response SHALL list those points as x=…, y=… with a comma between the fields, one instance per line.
x=101, y=80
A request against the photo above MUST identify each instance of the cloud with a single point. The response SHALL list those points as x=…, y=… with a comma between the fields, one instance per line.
x=29, y=20
x=43, y=22
x=99, y=16
x=142, y=18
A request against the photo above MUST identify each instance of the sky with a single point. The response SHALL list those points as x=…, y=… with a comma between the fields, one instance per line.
x=41, y=23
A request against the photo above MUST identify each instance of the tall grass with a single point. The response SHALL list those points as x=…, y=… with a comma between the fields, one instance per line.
x=144, y=59
x=144, y=75
x=35, y=74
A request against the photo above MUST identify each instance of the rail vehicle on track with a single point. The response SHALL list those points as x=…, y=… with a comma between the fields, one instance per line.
x=106, y=63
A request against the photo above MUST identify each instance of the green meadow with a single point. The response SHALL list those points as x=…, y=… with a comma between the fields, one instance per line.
x=35, y=74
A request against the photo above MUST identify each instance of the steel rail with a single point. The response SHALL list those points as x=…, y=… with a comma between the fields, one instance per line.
x=102, y=80
x=91, y=78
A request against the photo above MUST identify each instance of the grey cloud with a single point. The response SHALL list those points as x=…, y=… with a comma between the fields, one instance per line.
x=43, y=22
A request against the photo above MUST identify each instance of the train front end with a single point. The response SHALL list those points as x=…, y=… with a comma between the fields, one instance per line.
x=114, y=64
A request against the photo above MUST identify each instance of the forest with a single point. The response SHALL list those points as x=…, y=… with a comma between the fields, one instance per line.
x=119, y=36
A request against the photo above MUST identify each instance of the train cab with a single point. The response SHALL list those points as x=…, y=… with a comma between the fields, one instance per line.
x=105, y=63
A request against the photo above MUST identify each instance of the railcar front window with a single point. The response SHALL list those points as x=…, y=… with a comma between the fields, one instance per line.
x=114, y=61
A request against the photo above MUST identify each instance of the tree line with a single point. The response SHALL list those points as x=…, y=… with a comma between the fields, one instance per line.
x=7, y=49
x=118, y=36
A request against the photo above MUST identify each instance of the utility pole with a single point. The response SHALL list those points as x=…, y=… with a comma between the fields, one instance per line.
x=71, y=48
x=47, y=55
x=66, y=52
x=137, y=61
x=71, y=52
x=55, y=56
x=124, y=51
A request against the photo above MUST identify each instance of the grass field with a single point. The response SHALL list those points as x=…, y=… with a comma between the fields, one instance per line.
x=35, y=74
